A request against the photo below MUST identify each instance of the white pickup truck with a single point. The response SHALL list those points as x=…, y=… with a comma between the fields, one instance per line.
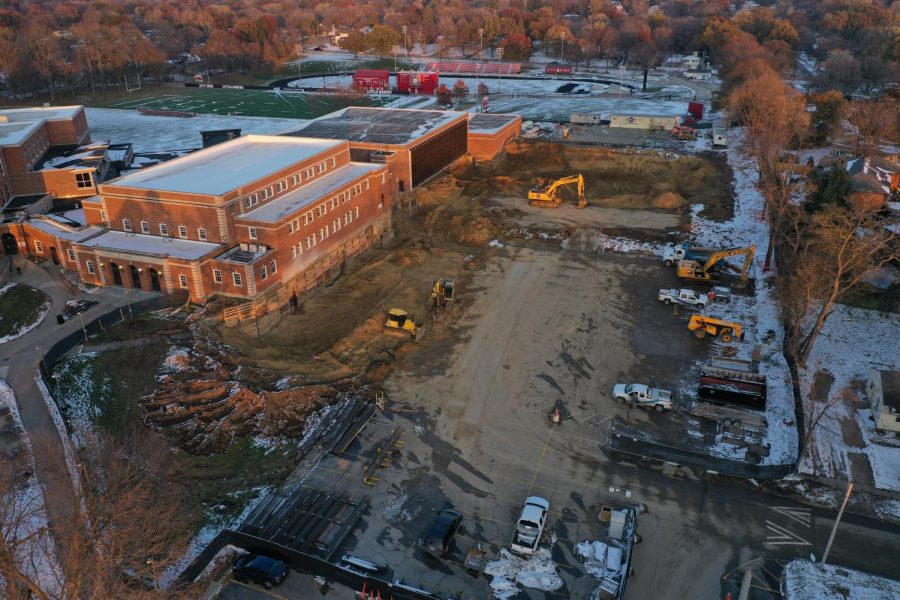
x=684, y=296
x=642, y=395
x=530, y=525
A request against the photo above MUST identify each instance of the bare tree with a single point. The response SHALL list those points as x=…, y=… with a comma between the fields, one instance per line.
x=131, y=523
x=874, y=120
x=775, y=117
x=843, y=246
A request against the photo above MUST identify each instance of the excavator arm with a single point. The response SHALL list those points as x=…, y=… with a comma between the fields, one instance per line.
x=748, y=253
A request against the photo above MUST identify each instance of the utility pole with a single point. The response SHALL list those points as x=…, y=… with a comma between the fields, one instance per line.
x=480, y=48
x=563, y=37
x=837, y=520
x=405, y=43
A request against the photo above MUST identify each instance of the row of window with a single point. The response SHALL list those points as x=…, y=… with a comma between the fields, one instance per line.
x=332, y=204
x=264, y=194
x=164, y=229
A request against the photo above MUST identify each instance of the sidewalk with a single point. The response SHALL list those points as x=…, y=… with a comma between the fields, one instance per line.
x=19, y=361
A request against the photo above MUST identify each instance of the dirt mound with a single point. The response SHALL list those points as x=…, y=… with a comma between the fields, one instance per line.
x=669, y=201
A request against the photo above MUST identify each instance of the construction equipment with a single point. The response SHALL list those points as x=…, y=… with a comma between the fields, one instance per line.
x=726, y=330
x=684, y=133
x=703, y=271
x=441, y=294
x=548, y=197
x=397, y=318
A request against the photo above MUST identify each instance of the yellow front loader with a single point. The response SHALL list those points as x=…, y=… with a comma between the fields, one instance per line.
x=548, y=196
x=703, y=326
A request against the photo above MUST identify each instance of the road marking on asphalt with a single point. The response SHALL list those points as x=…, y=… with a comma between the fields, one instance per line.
x=541, y=460
x=783, y=537
x=259, y=589
x=801, y=515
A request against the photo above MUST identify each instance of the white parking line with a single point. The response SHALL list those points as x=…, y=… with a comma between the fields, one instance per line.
x=801, y=515
x=783, y=537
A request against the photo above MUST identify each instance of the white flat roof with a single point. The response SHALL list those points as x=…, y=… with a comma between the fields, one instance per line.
x=136, y=243
x=39, y=113
x=225, y=167
x=13, y=134
x=303, y=196
x=64, y=232
x=376, y=125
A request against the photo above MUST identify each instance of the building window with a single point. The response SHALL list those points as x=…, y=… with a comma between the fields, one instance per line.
x=163, y=229
x=263, y=273
x=182, y=231
x=182, y=279
x=252, y=233
x=83, y=180
x=308, y=218
x=356, y=212
x=145, y=227
x=367, y=184
x=347, y=218
x=274, y=266
x=201, y=233
x=126, y=224
x=38, y=246
x=71, y=254
x=104, y=217
x=383, y=179
x=293, y=251
x=251, y=200
x=308, y=173
x=267, y=193
x=333, y=162
x=320, y=167
x=310, y=242
x=290, y=227
x=321, y=210
x=90, y=267
x=295, y=179
x=236, y=278
x=217, y=276
x=282, y=185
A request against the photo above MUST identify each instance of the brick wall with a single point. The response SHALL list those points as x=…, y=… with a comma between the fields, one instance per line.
x=154, y=213
x=484, y=146
x=23, y=157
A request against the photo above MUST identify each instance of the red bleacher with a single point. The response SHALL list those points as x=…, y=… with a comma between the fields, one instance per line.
x=463, y=68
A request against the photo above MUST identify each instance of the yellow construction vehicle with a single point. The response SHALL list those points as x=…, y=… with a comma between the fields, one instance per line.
x=441, y=294
x=548, y=197
x=397, y=318
x=726, y=330
x=703, y=271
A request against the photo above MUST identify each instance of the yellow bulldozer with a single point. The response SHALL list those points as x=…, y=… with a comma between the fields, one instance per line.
x=399, y=319
x=548, y=196
x=726, y=330
x=696, y=270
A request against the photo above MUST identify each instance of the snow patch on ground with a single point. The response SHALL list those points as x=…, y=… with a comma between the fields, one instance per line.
x=176, y=360
x=762, y=318
x=393, y=508
x=37, y=555
x=77, y=396
x=853, y=341
x=601, y=242
x=63, y=432
x=510, y=571
x=804, y=580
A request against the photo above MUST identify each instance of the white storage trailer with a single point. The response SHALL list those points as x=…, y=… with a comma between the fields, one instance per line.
x=626, y=121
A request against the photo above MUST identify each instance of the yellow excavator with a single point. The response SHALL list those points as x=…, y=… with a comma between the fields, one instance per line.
x=726, y=330
x=548, y=196
x=441, y=294
x=703, y=271
x=399, y=319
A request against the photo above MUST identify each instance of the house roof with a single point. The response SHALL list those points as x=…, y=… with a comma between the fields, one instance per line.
x=64, y=232
x=228, y=166
x=377, y=125
x=286, y=205
x=13, y=134
x=39, y=113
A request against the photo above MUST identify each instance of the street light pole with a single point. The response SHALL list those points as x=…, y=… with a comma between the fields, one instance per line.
x=480, y=48
x=837, y=520
x=563, y=37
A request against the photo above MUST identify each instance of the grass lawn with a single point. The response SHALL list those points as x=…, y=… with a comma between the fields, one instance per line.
x=247, y=103
x=267, y=74
x=20, y=307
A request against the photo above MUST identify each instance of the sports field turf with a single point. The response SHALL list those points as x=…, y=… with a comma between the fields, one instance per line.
x=249, y=103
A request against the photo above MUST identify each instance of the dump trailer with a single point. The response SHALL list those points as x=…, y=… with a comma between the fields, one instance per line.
x=548, y=196
x=729, y=386
x=730, y=416
x=704, y=271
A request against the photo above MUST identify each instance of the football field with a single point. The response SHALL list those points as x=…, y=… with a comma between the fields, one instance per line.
x=249, y=103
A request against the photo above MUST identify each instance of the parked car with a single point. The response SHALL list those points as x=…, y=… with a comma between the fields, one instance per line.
x=530, y=525
x=439, y=538
x=73, y=307
x=260, y=569
x=720, y=294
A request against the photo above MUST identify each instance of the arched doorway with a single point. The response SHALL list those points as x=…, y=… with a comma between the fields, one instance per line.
x=135, y=277
x=116, y=273
x=10, y=246
x=154, y=280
